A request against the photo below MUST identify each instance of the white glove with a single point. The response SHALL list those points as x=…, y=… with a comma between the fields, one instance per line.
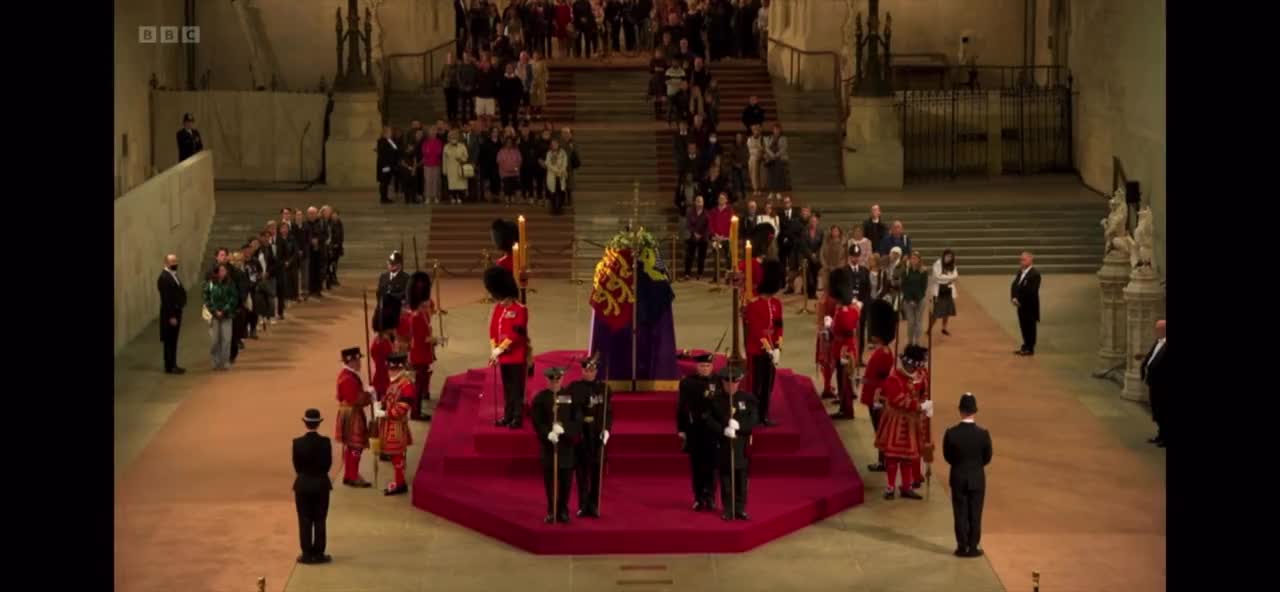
x=379, y=413
x=557, y=429
x=927, y=407
x=386, y=169
x=730, y=433
x=493, y=355
x=681, y=434
x=777, y=355
x=553, y=437
x=826, y=322
x=604, y=437
x=857, y=304
x=369, y=389
x=734, y=425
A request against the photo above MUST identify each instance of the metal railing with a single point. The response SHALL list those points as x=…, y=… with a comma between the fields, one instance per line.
x=944, y=133
x=977, y=77
x=838, y=86
x=1036, y=129
x=412, y=72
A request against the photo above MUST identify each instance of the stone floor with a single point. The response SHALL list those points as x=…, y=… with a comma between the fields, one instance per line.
x=202, y=476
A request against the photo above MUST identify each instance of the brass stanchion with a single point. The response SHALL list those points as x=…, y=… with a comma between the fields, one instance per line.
x=715, y=281
x=1035, y=581
x=804, y=287
x=262, y=584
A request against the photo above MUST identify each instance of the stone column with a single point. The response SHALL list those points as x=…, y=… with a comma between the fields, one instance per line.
x=349, y=156
x=873, y=144
x=1141, y=298
x=1113, y=331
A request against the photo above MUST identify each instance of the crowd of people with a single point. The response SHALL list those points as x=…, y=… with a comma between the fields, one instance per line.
x=247, y=289
x=590, y=28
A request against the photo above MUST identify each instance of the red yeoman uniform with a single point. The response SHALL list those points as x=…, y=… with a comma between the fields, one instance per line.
x=394, y=428
x=844, y=346
x=903, y=423
x=352, y=427
x=403, y=330
x=822, y=354
x=921, y=389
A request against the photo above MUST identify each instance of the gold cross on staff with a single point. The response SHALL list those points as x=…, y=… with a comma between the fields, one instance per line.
x=635, y=204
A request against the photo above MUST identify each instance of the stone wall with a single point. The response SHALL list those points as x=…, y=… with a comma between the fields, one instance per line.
x=303, y=38
x=1117, y=54
x=135, y=63
x=170, y=213
x=259, y=135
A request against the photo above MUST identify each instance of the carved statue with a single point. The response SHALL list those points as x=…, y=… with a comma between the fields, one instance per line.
x=1142, y=245
x=1115, y=231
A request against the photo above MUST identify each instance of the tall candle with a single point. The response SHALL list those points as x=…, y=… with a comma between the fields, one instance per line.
x=746, y=286
x=733, y=243
x=523, y=241
x=516, y=265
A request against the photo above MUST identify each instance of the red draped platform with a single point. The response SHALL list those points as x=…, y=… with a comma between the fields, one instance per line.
x=489, y=479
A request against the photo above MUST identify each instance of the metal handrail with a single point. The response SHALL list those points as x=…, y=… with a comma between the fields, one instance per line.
x=428, y=68
x=837, y=86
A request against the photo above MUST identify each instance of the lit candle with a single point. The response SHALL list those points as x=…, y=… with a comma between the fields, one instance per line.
x=746, y=286
x=516, y=265
x=523, y=241
x=733, y=243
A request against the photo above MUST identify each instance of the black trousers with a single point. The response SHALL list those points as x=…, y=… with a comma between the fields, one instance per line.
x=762, y=375
x=313, y=509
x=739, y=482
x=384, y=181
x=527, y=176
x=811, y=280
x=510, y=113
x=513, y=391
x=333, y=271
x=239, y=329
x=281, y=286
x=550, y=486
x=695, y=248
x=1027, y=322
x=702, y=466
x=451, y=103
x=317, y=273
x=1157, y=401
x=587, y=467
x=466, y=105
x=557, y=202
x=169, y=339
x=966, y=508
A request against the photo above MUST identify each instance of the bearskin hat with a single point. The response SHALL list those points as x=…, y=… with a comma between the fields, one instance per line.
x=505, y=233
x=761, y=237
x=840, y=285
x=773, y=276
x=419, y=289
x=882, y=320
x=914, y=356
x=500, y=283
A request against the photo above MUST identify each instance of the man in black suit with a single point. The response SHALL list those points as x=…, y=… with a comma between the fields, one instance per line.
x=189, y=142
x=173, y=298
x=1156, y=379
x=312, y=458
x=786, y=216
x=459, y=26
x=967, y=448
x=388, y=159
x=874, y=229
x=1025, y=294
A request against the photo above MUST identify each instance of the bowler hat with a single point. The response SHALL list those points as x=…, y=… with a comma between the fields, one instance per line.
x=312, y=416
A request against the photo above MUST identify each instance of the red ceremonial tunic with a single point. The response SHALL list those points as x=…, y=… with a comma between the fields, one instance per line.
x=506, y=262
x=757, y=273
x=879, y=367
x=822, y=347
x=403, y=330
x=421, y=352
x=900, y=425
x=763, y=319
x=352, y=426
x=844, y=333
x=378, y=352
x=509, y=323
x=394, y=430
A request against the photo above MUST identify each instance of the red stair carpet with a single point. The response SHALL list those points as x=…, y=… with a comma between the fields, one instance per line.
x=489, y=479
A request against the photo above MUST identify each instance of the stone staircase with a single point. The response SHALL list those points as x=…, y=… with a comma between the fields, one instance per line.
x=460, y=238
x=371, y=230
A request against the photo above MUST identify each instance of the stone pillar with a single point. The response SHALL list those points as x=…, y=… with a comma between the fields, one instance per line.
x=350, y=159
x=1113, y=331
x=1141, y=298
x=873, y=144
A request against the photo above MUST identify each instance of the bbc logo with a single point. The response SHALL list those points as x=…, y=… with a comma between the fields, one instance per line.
x=155, y=34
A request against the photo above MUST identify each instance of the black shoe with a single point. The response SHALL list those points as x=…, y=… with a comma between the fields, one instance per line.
x=322, y=558
x=515, y=425
x=888, y=495
x=1155, y=440
x=910, y=494
x=946, y=332
x=742, y=516
x=502, y=423
x=842, y=416
x=726, y=516
x=974, y=553
x=583, y=513
x=357, y=483
x=960, y=552
x=768, y=422
x=698, y=506
x=1160, y=444
x=876, y=468
x=549, y=519
x=917, y=484
x=828, y=395
x=564, y=516
x=306, y=559
x=176, y=371
x=397, y=491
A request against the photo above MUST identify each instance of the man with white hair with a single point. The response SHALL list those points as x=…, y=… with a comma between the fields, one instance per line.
x=1025, y=294
x=895, y=238
x=173, y=298
x=317, y=233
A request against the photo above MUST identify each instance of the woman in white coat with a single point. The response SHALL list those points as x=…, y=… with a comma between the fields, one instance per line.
x=557, y=164
x=455, y=156
x=942, y=289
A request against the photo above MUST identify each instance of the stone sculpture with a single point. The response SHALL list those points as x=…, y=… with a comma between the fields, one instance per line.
x=1142, y=245
x=1115, y=232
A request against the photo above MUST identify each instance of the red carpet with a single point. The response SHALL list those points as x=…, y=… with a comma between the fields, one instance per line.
x=489, y=479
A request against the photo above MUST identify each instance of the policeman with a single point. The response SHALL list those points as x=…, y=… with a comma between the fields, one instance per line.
x=733, y=414
x=558, y=423
x=699, y=442
x=595, y=399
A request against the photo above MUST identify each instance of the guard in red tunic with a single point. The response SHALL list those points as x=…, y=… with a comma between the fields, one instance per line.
x=403, y=330
x=761, y=238
x=509, y=337
x=920, y=386
x=763, y=319
x=842, y=328
x=383, y=345
x=352, y=425
x=881, y=319
x=900, y=424
x=422, y=343
x=505, y=234
x=393, y=415
x=822, y=343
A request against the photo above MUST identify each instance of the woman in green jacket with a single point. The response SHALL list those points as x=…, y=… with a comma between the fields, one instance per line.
x=220, y=300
